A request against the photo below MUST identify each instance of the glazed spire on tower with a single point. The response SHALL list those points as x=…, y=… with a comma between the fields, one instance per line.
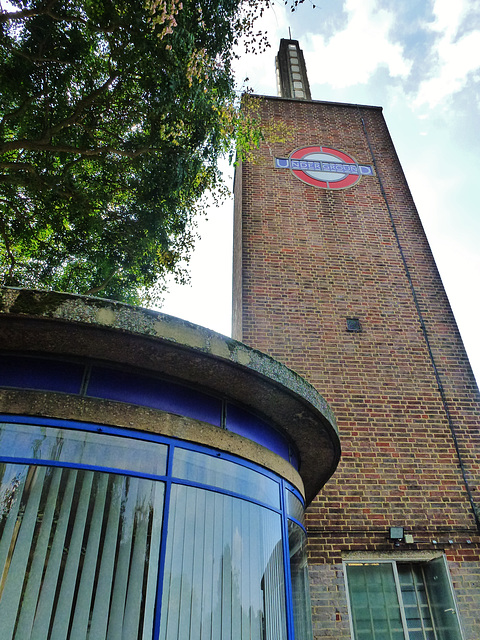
x=292, y=80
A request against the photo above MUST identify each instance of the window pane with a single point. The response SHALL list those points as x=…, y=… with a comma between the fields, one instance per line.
x=441, y=600
x=224, y=576
x=374, y=602
x=39, y=373
x=302, y=615
x=206, y=469
x=417, y=612
x=425, y=598
x=295, y=507
x=127, y=386
x=82, y=447
x=79, y=553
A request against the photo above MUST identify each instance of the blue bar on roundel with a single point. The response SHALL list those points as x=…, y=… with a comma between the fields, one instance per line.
x=365, y=170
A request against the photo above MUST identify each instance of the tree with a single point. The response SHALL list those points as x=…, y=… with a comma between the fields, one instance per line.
x=113, y=115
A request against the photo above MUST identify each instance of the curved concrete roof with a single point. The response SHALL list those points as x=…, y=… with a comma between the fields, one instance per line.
x=61, y=324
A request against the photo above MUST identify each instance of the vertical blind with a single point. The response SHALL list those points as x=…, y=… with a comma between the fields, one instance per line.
x=84, y=536
x=78, y=554
x=224, y=577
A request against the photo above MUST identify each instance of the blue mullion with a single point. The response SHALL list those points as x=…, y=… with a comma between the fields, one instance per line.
x=138, y=435
x=232, y=494
x=286, y=564
x=86, y=379
x=295, y=492
x=163, y=544
x=148, y=437
x=302, y=526
x=137, y=474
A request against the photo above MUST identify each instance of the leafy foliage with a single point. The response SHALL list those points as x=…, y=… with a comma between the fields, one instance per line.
x=113, y=115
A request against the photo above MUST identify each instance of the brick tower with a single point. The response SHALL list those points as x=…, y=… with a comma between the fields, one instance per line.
x=333, y=276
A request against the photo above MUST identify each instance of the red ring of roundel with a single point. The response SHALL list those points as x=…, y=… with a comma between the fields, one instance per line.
x=348, y=181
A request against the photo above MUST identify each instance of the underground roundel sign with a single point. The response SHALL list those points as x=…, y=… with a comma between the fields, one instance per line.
x=324, y=167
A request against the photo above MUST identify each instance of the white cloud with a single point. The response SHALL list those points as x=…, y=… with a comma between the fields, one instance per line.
x=457, y=57
x=351, y=56
x=448, y=15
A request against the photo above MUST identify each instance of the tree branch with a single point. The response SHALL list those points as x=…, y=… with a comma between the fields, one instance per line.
x=97, y=152
x=11, y=257
x=32, y=13
x=81, y=106
x=31, y=58
x=20, y=166
x=21, y=109
x=43, y=144
x=26, y=13
x=30, y=178
x=94, y=290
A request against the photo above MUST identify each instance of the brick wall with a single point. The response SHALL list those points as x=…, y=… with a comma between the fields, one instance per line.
x=305, y=260
x=329, y=605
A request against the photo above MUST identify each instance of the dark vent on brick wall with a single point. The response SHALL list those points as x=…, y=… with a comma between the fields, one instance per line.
x=353, y=324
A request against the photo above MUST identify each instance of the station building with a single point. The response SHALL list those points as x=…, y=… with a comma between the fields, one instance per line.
x=154, y=474
x=334, y=277
x=153, y=477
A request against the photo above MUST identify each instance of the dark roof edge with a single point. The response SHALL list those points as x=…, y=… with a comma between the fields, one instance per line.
x=337, y=104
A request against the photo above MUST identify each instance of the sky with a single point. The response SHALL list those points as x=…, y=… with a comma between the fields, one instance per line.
x=420, y=61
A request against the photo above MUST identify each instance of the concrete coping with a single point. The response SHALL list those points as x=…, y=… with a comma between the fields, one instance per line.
x=66, y=325
x=328, y=102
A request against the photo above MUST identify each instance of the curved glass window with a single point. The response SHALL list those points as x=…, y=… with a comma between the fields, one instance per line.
x=294, y=506
x=78, y=553
x=297, y=540
x=81, y=447
x=203, y=469
x=123, y=535
x=224, y=575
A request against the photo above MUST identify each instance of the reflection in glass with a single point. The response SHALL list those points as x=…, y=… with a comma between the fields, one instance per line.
x=442, y=601
x=79, y=554
x=302, y=618
x=82, y=447
x=294, y=506
x=206, y=469
x=224, y=574
x=80, y=548
x=415, y=602
x=374, y=601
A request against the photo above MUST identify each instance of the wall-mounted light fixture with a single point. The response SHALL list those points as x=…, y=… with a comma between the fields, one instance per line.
x=396, y=534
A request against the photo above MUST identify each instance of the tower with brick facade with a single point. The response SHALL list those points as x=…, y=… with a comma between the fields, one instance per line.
x=333, y=276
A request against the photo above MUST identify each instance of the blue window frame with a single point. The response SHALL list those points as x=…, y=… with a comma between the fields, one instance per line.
x=110, y=533
x=97, y=381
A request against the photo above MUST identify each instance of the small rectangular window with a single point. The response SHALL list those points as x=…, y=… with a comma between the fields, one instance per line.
x=395, y=600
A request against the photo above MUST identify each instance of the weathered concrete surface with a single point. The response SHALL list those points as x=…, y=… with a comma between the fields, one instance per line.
x=103, y=330
x=100, y=411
